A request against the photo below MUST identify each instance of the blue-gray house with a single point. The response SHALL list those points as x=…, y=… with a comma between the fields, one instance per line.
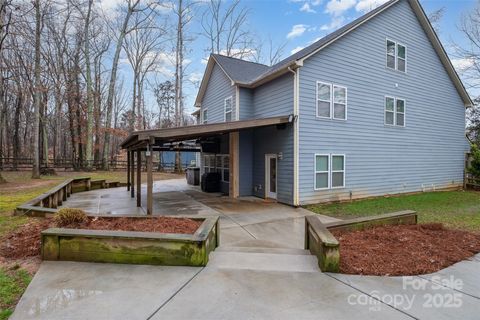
x=372, y=109
x=377, y=109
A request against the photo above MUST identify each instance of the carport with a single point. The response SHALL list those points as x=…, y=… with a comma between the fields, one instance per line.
x=175, y=139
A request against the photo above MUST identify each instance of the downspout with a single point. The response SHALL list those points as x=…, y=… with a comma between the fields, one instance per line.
x=296, y=76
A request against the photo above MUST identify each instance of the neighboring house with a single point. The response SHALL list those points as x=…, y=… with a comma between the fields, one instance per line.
x=377, y=107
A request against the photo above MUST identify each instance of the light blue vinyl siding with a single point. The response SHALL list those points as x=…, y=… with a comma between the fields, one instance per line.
x=273, y=140
x=274, y=98
x=381, y=159
x=219, y=88
x=246, y=103
x=246, y=163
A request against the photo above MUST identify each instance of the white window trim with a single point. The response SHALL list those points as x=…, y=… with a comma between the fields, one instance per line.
x=332, y=100
x=396, y=55
x=316, y=99
x=315, y=171
x=225, y=109
x=394, y=112
x=332, y=171
x=203, y=115
x=221, y=169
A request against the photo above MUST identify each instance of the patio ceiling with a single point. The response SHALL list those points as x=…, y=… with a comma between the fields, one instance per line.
x=140, y=139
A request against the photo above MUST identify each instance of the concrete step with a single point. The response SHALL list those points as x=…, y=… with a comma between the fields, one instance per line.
x=263, y=261
x=263, y=250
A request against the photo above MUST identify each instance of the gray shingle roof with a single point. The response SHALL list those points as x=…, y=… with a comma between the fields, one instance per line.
x=246, y=72
x=240, y=70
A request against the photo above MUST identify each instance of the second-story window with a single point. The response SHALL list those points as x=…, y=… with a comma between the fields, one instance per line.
x=205, y=116
x=228, y=109
x=395, y=111
x=331, y=105
x=396, y=56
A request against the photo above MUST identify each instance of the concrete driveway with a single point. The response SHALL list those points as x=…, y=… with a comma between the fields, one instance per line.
x=260, y=271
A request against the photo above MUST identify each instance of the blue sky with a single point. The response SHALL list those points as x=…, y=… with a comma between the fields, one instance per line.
x=299, y=22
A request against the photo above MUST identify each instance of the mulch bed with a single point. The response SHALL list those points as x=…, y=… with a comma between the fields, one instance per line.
x=25, y=242
x=404, y=249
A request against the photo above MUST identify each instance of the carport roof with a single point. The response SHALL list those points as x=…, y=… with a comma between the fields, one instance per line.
x=139, y=139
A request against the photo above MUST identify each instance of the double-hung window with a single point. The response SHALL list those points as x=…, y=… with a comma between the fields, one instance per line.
x=205, y=116
x=395, y=111
x=329, y=171
x=396, y=56
x=208, y=163
x=331, y=101
x=223, y=163
x=228, y=109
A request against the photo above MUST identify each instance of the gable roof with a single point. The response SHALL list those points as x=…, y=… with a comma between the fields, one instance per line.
x=250, y=74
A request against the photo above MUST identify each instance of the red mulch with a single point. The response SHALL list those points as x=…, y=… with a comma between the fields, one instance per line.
x=404, y=249
x=25, y=241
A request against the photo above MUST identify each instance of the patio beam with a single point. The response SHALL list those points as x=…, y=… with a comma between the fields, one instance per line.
x=132, y=174
x=234, y=146
x=128, y=170
x=139, y=178
x=149, y=157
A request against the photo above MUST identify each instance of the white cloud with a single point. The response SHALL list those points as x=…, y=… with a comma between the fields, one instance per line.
x=295, y=50
x=195, y=77
x=336, y=23
x=462, y=64
x=204, y=61
x=306, y=8
x=108, y=5
x=337, y=7
x=297, y=31
x=368, y=5
x=317, y=2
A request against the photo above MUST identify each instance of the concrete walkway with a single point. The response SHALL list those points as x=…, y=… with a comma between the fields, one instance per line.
x=260, y=271
x=74, y=290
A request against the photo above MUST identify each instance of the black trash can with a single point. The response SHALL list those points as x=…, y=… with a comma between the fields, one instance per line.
x=211, y=182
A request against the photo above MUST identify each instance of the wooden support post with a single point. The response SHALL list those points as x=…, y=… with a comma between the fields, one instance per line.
x=60, y=197
x=234, y=146
x=139, y=178
x=128, y=170
x=149, y=182
x=54, y=200
x=132, y=174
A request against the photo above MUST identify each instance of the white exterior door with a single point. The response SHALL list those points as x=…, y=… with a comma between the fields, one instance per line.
x=271, y=176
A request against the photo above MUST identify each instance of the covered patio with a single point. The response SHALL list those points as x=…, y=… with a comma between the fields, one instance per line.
x=140, y=146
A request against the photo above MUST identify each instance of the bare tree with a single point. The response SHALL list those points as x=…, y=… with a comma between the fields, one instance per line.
x=89, y=147
x=132, y=7
x=269, y=53
x=224, y=26
x=143, y=48
x=38, y=93
x=5, y=19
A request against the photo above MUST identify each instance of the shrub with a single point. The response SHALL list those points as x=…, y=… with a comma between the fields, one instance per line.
x=474, y=168
x=67, y=216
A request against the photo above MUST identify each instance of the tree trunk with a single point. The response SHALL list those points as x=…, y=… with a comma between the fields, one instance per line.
x=89, y=146
x=179, y=80
x=37, y=98
x=111, y=87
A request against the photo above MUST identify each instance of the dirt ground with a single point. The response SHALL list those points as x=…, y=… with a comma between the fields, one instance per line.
x=404, y=249
x=22, y=246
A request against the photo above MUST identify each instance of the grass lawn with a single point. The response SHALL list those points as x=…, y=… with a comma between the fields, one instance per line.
x=12, y=285
x=455, y=209
x=20, y=188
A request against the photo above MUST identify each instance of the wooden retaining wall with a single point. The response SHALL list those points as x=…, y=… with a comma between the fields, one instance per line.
x=47, y=203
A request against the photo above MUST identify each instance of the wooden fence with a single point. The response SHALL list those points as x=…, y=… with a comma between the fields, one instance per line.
x=26, y=164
